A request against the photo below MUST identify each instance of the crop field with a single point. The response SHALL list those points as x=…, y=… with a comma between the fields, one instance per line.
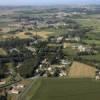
x=2, y=52
x=78, y=70
x=22, y=35
x=97, y=42
x=67, y=89
x=92, y=57
x=43, y=34
x=91, y=22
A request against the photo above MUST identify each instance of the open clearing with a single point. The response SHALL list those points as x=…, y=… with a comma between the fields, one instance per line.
x=91, y=22
x=67, y=89
x=43, y=34
x=2, y=52
x=80, y=70
x=22, y=35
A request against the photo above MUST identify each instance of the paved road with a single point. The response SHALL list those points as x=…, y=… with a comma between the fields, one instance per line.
x=8, y=84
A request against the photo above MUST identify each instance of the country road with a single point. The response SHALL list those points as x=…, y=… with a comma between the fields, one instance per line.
x=26, y=90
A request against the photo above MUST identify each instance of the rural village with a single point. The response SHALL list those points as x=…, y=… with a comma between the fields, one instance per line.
x=46, y=43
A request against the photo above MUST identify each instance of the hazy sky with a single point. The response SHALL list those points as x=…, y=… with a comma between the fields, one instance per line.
x=47, y=2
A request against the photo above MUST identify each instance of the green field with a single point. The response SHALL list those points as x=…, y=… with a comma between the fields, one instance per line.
x=67, y=89
x=93, y=22
x=90, y=22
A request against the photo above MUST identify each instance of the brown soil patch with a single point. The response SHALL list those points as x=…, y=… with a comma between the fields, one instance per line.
x=80, y=70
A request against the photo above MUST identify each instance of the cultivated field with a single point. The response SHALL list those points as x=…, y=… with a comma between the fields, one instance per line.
x=80, y=70
x=67, y=89
x=2, y=52
x=91, y=22
x=43, y=34
x=22, y=35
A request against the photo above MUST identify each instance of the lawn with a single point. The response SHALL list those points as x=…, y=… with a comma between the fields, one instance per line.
x=67, y=89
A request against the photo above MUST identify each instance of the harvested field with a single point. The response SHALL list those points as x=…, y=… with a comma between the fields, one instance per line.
x=2, y=52
x=43, y=34
x=67, y=45
x=22, y=35
x=80, y=70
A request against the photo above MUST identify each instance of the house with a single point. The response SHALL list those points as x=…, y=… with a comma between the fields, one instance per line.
x=52, y=72
x=13, y=91
x=97, y=77
x=65, y=62
x=62, y=74
x=16, y=89
x=31, y=49
x=62, y=14
x=81, y=48
x=14, y=49
x=59, y=39
x=40, y=66
x=67, y=45
x=37, y=70
x=19, y=65
x=2, y=82
x=49, y=69
x=20, y=86
x=69, y=38
x=77, y=39
x=44, y=61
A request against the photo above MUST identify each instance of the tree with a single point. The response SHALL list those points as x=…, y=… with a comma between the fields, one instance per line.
x=3, y=71
x=27, y=68
x=3, y=98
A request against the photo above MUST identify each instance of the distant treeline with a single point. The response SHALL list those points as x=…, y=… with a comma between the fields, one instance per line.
x=15, y=42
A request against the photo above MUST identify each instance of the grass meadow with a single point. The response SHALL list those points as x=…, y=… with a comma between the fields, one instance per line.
x=65, y=89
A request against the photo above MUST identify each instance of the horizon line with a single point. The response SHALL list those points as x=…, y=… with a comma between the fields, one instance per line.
x=48, y=4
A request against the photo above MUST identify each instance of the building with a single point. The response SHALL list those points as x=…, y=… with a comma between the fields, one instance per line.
x=81, y=48
x=13, y=91
x=2, y=82
x=20, y=86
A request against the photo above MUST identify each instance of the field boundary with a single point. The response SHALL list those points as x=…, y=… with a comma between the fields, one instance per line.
x=28, y=92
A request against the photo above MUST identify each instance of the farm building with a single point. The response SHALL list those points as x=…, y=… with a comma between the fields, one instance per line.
x=2, y=82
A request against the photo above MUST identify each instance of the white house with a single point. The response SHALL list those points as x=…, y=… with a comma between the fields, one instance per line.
x=62, y=74
x=65, y=62
x=81, y=48
x=77, y=39
x=2, y=82
x=20, y=86
x=14, y=91
x=59, y=38
x=97, y=77
x=49, y=69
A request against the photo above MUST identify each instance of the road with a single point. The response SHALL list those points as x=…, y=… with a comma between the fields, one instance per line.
x=26, y=90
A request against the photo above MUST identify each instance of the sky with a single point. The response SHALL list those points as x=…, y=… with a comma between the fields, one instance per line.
x=47, y=2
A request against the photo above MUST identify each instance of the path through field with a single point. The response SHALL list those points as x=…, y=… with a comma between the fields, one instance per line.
x=26, y=90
